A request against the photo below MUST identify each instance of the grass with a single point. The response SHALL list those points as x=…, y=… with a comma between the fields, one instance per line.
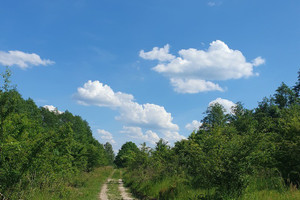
x=272, y=195
x=167, y=188
x=176, y=189
x=84, y=186
x=113, y=186
x=291, y=193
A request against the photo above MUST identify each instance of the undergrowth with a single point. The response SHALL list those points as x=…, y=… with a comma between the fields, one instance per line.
x=176, y=188
x=85, y=185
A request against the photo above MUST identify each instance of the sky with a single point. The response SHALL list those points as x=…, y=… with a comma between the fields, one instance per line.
x=140, y=70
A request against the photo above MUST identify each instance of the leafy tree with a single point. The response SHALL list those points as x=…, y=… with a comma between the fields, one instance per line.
x=109, y=152
x=39, y=148
x=215, y=116
x=6, y=80
x=284, y=96
x=230, y=154
x=296, y=88
x=126, y=154
x=287, y=139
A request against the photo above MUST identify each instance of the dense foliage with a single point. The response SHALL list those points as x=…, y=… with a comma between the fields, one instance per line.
x=39, y=148
x=230, y=155
x=126, y=153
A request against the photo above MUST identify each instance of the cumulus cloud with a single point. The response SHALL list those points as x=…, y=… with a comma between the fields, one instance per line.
x=228, y=105
x=193, y=85
x=217, y=63
x=193, y=126
x=161, y=54
x=137, y=133
x=258, y=61
x=106, y=136
x=96, y=93
x=136, y=116
x=52, y=108
x=22, y=60
x=150, y=136
x=172, y=136
x=145, y=115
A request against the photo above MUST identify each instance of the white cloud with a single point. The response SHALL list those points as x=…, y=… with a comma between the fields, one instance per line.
x=225, y=103
x=217, y=63
x=161, y=54
x=137, y=133
x=144, y=115
x=172, y=136
x=52, y=109
x=21, y=59
x=193, y=85
x=258, y=61
x=95, y=93
x=106, y=136
x=193, y=126
x=135, y=116
x=150, y=136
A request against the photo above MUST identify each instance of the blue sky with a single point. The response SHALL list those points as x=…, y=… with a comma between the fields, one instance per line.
x=138, y=70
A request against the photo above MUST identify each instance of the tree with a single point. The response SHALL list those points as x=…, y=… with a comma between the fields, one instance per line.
x=109, y=152
x=126, y=154
x=296, y=88
x=215, y=116
x=284, y=96
x=6, y=80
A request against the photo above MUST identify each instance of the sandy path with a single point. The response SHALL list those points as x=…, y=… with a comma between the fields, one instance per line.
x=103, y=193
x=125, y=195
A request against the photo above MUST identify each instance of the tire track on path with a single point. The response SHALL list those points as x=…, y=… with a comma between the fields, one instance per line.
x=103, y=193
x=125, y=195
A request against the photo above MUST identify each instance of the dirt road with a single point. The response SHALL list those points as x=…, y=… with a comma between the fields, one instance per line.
x=125, y=195
x=108, y=188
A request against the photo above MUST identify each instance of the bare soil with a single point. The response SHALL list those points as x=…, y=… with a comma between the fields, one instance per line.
x=123, y=191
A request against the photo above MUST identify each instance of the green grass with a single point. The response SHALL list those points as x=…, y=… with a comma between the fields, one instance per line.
x=113, y=186
x=167, y=188
x=117, y=174
x=272, y=195
x=176, y=189
x=84, y=186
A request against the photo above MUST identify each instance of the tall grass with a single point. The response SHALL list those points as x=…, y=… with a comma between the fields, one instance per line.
x=83, y=186
x=264, y=186
x=269, y=185
x=166, y=188
x=272, y=195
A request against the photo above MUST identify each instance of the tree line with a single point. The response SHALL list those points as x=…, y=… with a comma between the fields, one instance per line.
x=41, y=148
x=229, y=156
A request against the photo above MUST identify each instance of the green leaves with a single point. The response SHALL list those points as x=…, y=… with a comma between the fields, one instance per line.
x=39, y=148
x=125, y=156
x=229, y=155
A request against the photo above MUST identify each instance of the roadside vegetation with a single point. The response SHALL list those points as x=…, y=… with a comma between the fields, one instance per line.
x=85, y=185
x=246, y=154
x=46, y=154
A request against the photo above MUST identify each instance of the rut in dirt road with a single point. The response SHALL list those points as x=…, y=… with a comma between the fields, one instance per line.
x=103, y=193
x=113, y=189
x=125, y=195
